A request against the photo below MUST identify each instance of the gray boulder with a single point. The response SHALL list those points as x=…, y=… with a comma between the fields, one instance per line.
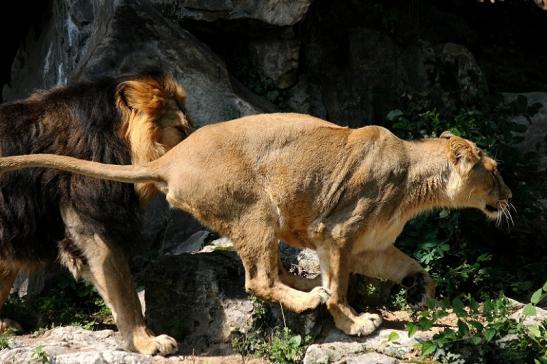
x=535, y=134
x=372, y=76
x=82, y=40
x=197, y=298
x=273, y=12
x=74, y=345
x=276, y=60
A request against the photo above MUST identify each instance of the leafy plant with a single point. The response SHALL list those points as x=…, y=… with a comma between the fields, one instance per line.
x=268, y=339
x=5, y=340
x=485, y=332
x=286, y=347
x=65, y=302
x=39, y=354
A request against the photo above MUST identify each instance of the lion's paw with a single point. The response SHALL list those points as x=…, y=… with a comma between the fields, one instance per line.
x=165, y=344
x=151, y=345
x=365, y=324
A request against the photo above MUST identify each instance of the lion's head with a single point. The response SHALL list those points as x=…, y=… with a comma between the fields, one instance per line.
x=154, y=118
x=476, y=181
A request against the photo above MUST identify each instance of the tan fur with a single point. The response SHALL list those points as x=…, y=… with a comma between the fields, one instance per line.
x=345, y=193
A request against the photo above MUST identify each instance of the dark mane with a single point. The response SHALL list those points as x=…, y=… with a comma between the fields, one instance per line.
x=81, y=121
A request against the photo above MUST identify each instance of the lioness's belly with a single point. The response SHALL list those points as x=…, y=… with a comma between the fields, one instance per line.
x=378, y=237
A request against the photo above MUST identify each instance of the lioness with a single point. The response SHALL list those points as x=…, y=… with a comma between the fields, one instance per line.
x=347, y=193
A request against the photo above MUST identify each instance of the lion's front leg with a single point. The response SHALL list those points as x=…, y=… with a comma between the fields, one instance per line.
x=335, y=274
x=394, y=265
x=107, y=267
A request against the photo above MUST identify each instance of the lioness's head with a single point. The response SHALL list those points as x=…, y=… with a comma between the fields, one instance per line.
x=476, y=181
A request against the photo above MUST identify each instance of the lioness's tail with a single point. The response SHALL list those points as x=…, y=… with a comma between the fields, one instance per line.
x=120, y=173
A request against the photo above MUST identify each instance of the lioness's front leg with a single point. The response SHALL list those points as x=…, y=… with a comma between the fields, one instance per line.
x=396, y=266
x=335, y=272
x=107, y=268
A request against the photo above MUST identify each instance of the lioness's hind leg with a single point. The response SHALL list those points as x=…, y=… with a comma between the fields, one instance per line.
x=107, y=267
x=6, y=282
x=260, y=256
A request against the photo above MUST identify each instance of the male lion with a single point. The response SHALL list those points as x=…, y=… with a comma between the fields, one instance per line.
x=87, y=224
x=347, y=193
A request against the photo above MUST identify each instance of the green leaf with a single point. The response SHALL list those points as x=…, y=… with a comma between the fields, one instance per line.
x=463, y=328
x=393, y=336
x=411, y=329
x=475, y=340
x=484, y=257
x=536, y=297
x=519, y=128
x=534, y=330
x=428, y=348
x=545, y=284
x=394, y=114
x=425, y=323
x=295, y=340
x=477, y=325
x=489, y=334
x=529, y=310
x=458, y=307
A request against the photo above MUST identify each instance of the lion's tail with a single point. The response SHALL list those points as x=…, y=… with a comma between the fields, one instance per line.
x=120, y=173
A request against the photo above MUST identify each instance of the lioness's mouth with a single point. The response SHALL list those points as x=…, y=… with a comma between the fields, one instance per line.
x=491, y=208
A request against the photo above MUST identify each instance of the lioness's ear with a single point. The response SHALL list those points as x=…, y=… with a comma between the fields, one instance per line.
x=446, y=135
x=140, y=95
x=462, y=154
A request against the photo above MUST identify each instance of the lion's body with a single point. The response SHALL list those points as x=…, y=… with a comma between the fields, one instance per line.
x=59, y=122
x=48, y=215
x=347, y=193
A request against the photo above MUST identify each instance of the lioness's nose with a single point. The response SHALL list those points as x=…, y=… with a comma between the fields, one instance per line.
x=508, y=194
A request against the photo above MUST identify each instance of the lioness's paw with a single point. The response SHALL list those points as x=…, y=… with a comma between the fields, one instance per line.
x=365, y=324
x=322, y=292
x=419, y=288
x=151, y=345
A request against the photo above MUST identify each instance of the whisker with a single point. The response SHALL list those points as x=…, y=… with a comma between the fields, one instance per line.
x=498, y=219
x=507, y=219
x=513, y=207
x=510, y=217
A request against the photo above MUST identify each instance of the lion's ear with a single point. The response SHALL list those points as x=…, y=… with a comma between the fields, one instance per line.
x=463, y=154
x=141, y=96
